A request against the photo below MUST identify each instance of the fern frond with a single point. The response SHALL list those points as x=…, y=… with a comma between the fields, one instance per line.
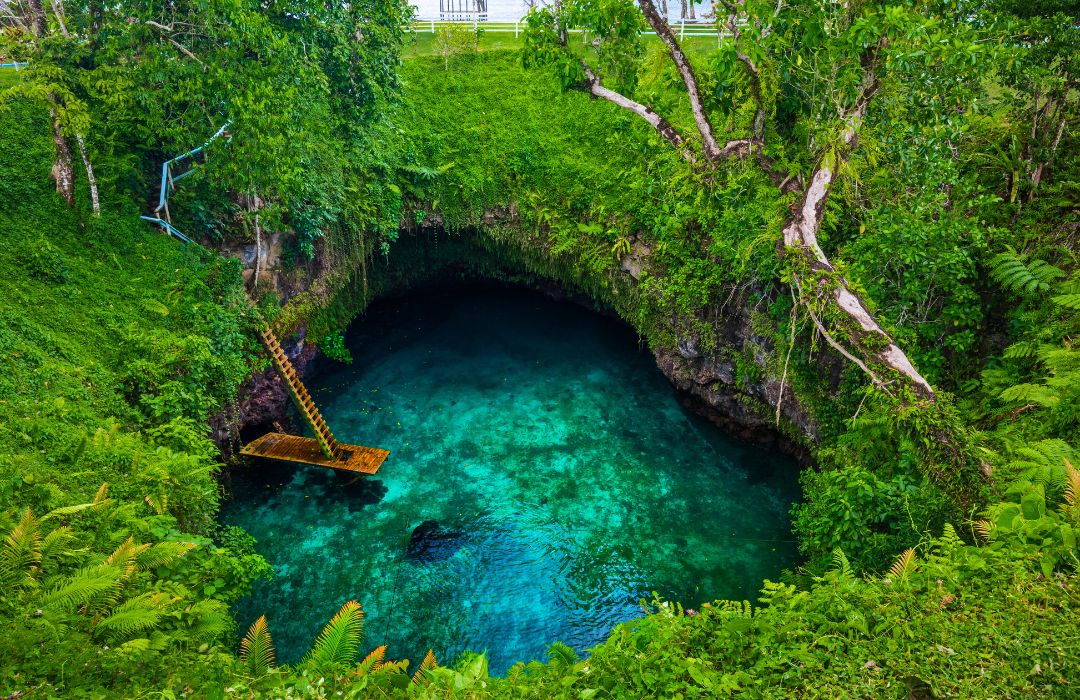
x=163, y=553
x=1072, y=486
x=1014, y=273
x=102, y=495
x=66, y=510
x=371, y=661
x=340, y=639
x=1021, y=351
x=21, y=551
x=211, y=620
x=257, y=648
x=391, y=666
x=985, y=528
x=421, y=675
x=84, y=586
x=137, y=615
x=125, y=556
x=159, y=504
x=903, y=566
x=561, y=655
x=1067, y=301
x=55, y=543
x=841, y=565
x=949, y=541
x=1030, y=393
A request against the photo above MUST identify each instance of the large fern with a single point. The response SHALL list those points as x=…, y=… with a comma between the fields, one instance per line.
x=21, y=552
x=561, y=655
x=257, y=648
x=1015, y=273
x=340, y=639
x=102, y=582
x=135, y=616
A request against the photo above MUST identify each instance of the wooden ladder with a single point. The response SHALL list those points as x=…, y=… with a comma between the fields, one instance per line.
x=300, y=395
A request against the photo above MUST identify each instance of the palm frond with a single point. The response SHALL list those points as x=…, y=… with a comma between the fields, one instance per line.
x=340, y=639
x=257, y=648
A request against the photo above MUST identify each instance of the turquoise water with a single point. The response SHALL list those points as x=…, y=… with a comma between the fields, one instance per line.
x=544, y=479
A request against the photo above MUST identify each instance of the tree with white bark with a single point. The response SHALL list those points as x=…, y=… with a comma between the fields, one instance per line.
x=832, y=59
x=29, y=34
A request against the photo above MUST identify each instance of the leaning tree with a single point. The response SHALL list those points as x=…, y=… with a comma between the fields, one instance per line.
x=828, y=60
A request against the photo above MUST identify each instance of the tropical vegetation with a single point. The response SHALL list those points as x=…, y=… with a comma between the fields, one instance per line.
x=889, y=189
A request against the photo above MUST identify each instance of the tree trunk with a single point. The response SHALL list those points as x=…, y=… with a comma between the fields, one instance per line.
x=62, y=171
x=1037, y=174
x=58, y=11
x=822, y=282
x=708, y=139
x=89, y=174
x=36, y=12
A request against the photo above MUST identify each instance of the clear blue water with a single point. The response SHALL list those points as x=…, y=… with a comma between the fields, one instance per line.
x=544, y=480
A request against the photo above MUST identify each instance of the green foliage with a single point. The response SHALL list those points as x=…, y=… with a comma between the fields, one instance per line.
x=257, y=649
x=333, y=346
x=138, y=343
x=453, y=39
x=869, y=516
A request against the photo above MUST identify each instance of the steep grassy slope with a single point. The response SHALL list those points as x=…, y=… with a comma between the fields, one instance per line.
x=116, y=345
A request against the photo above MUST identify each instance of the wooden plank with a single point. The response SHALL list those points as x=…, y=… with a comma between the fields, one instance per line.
x=305, y=450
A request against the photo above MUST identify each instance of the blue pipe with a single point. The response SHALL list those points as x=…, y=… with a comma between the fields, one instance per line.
x=167, y=228
x=165, y=166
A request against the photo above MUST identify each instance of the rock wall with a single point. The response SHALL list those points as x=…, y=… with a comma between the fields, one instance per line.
x=709, y=381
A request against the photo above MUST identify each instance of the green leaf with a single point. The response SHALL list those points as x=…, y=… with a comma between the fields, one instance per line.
x=1033, y=505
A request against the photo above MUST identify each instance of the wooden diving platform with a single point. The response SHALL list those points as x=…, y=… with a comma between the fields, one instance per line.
x=305, y=450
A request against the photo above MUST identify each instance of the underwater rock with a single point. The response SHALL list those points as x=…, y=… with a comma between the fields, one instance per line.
x=432, y=542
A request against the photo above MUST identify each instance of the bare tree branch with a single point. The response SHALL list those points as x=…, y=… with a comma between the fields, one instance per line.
x=757, y=128
x=165, y=31
x=701, y=118
x=662, y=126
x=801, y=237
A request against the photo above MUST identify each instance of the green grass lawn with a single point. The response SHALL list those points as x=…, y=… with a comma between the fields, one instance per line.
x=421, y=43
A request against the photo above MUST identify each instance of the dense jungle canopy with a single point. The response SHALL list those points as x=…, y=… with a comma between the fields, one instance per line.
x=887, y=194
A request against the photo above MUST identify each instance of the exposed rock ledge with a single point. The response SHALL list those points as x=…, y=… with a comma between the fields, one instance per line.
x=708, y=381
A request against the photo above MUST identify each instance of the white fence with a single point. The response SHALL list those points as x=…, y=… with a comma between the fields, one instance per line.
x=683, y=28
